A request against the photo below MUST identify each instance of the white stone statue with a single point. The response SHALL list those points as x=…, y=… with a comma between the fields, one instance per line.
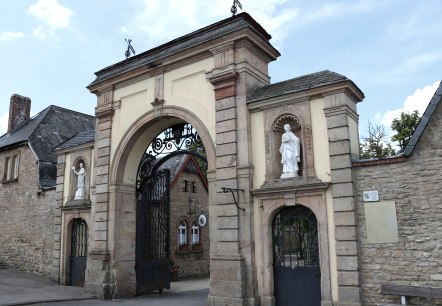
x=79, y=194
x=290, y=153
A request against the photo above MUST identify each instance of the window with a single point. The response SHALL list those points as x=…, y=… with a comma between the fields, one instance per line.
x=182, y=232
x=195, y=232
x=11, y=168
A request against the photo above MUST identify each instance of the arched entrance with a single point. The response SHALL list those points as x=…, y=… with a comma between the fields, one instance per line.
x=153, y=230
x=296, y=271
x=78, y=252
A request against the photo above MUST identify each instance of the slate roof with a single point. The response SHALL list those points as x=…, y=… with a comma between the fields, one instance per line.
x=211, y=32
x=301, y=83
x=79, y=139
x=425, y=119
x=44, y=132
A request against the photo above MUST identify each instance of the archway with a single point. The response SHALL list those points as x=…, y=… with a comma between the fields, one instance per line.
x=78, y=252
x=174, y=150
x=296, y=268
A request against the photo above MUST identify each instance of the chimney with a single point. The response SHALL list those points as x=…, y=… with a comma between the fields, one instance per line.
x=19, y=111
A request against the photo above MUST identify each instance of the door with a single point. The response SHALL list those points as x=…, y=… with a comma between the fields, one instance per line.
x=78, y=252
x=296, y=271
x=153, y=232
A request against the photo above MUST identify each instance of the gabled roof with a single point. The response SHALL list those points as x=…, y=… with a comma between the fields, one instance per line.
x=301, y=83
x=44, y=132
x=22, y=132
x=425, y=119
x=181, y=163
x=79, y=139
x=211, y=32
x=48, y=129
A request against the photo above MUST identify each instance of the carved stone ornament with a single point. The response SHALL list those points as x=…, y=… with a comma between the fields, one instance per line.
x=293, y=121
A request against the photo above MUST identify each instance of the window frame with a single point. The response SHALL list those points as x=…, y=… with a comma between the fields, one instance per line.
x=195, y=231
x=11, y=167
x=182, y=232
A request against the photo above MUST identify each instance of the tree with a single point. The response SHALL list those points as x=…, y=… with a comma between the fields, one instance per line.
x=376, y=145
x=198, y=148
x=404, y=127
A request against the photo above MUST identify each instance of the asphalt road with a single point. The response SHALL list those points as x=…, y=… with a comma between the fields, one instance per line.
x=194, y=298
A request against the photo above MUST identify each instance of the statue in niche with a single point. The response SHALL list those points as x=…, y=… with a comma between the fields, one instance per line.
x=79, y=194
x=290, y=153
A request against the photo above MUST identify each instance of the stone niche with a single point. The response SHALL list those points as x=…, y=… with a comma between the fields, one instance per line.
x=298, y=116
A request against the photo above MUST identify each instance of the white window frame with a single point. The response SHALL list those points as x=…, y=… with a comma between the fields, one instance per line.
x=195, y=232
x=182, y=232
x=12, y=163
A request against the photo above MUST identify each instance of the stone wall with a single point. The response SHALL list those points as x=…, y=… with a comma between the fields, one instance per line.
x=191, y=261
x=414, y=185
x=26, y=218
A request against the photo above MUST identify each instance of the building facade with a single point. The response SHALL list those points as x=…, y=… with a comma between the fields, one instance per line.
x=28, y=179
x=339, y=232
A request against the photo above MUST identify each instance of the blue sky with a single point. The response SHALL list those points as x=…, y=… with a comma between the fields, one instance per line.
x=392, y=49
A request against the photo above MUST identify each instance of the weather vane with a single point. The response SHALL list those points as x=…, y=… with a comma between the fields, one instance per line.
x=129, y=48
x=234, y=9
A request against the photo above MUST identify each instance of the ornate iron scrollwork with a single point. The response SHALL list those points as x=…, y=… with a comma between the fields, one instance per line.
x=175, y=138
x=179, y=137
x=295, y=238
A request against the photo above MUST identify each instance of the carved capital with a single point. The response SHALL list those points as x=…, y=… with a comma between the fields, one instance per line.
x=225, y=84
x=104, y=113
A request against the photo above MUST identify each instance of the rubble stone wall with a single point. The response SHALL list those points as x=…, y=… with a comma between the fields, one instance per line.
x=415, y=185
x=26, y=218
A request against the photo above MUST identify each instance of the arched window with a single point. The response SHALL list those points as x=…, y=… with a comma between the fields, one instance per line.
x=195, y=232
x=182, y=232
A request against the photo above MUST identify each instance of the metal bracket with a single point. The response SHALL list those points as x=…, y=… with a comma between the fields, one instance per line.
x=225, y=190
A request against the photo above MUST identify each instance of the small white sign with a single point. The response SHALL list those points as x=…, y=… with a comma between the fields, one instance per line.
x=371, y=196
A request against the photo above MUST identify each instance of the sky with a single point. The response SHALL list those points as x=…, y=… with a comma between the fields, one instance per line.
x=391, y=49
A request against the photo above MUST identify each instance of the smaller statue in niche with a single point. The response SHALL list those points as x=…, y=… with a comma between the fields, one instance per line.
x=290, y=153
x=79, y=194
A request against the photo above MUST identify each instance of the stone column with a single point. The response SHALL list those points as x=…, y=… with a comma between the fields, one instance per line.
x=98, y=276
x=339, y=110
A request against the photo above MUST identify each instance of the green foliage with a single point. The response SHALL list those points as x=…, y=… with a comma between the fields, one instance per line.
x=198, y=148
x=404, y=127
x=376, y=145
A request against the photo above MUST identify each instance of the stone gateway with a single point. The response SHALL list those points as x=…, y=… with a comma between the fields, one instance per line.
x=179, y=125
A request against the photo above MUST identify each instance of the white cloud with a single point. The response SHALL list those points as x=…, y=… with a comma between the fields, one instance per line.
x=53, y=14
x=417, y=101
x=4, y=123
x=409, y=67
x=11, y=36
x=162, y=20
x=39, y=32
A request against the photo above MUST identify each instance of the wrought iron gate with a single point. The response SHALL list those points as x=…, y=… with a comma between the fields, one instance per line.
x=296, y=271
x=78, y=252
x=153, y=232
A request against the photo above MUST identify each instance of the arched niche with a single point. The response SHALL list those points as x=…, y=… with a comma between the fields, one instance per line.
x=75, y=168
x=300, y=126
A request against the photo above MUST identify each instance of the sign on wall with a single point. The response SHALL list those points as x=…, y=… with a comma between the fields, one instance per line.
x=381, y=222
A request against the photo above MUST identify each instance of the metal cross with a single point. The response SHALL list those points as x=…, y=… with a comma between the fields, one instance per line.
x=234, y=9
x=129, y=48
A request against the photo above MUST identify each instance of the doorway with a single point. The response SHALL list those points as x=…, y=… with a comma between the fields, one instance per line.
x=78, y=252
x=296, y=271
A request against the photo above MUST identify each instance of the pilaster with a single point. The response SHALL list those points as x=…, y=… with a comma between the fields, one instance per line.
x=233, y=268
x=98, y=276
x=56, y=259
x=338, y=113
